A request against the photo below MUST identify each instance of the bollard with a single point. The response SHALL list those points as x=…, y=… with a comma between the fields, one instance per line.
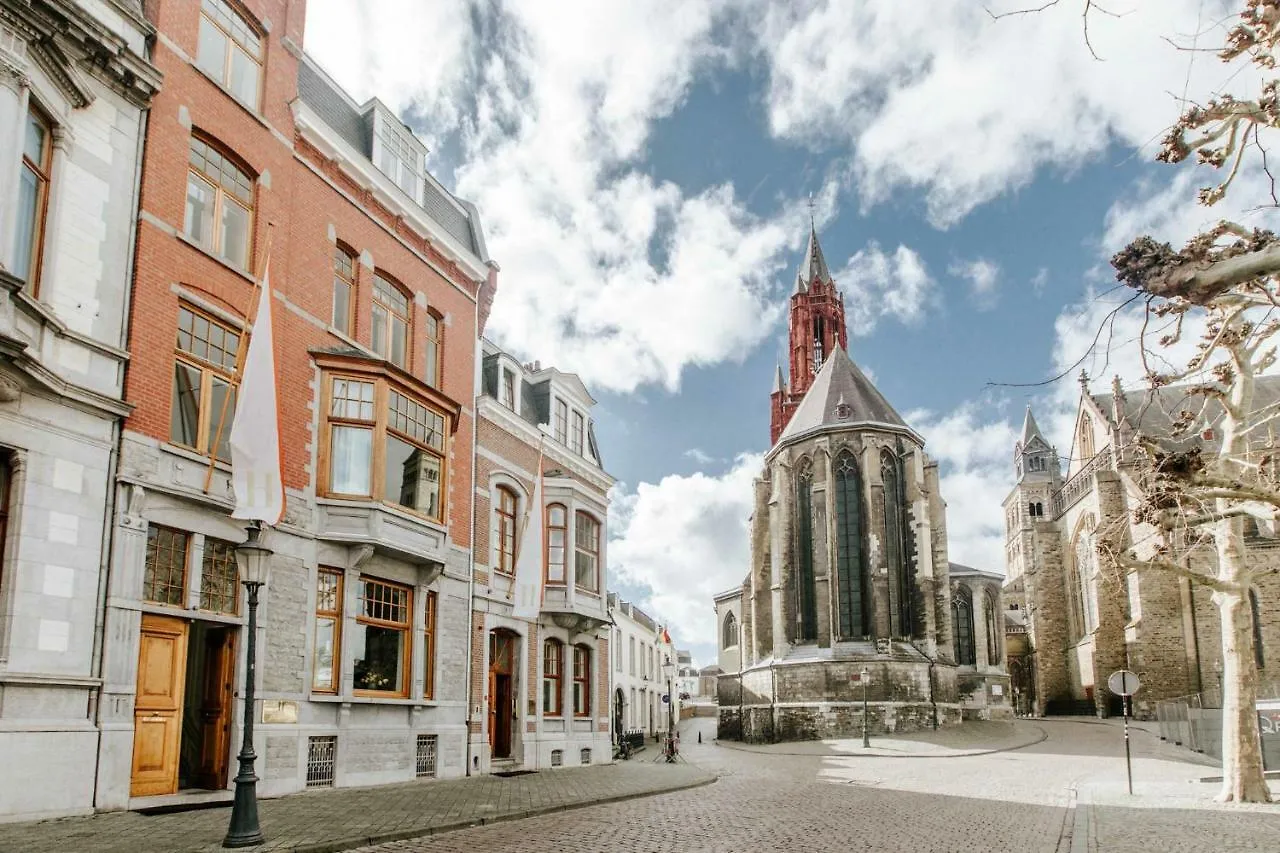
x=699, y=737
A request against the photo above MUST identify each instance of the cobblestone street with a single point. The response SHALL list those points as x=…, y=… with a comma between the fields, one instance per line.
x=1065, y=793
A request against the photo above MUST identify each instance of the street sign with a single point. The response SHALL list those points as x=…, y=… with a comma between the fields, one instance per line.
x=1123, y=683
x=666, y=697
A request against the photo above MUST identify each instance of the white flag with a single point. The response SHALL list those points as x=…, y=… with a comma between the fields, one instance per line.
x=528, y=585
x=255, y=431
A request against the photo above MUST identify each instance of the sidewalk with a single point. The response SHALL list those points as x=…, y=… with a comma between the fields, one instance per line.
x=321, y=821
x=977, y=737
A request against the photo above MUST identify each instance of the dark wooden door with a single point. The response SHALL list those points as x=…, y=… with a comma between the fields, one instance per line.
x=216, y=706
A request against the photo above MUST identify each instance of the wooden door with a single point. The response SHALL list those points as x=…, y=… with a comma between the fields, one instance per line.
x=216, y=706
x=502, y=714
x=502, y=701
x=157, y=711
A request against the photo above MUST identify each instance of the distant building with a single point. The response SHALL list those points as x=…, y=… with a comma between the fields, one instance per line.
x=708, y=681
x=686, y=676
x=977, y=636
x=641, y=647
x=730, y=629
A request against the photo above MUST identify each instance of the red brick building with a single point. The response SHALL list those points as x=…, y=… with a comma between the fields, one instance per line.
x=380, y=281
x=541, y=687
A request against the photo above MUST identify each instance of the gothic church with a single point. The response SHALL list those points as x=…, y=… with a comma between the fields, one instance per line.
x=849, y=577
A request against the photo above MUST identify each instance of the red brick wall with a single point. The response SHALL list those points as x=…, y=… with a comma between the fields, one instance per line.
x=303, y=206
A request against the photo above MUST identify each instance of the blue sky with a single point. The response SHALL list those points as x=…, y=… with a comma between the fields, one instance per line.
x=643, y=170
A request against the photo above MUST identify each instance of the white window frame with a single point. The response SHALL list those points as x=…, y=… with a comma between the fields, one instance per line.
x=412, y=173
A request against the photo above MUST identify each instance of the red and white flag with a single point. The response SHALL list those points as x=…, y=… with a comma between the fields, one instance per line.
x=255, y=431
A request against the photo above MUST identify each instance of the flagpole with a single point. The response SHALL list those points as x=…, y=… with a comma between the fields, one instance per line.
x=251, y=315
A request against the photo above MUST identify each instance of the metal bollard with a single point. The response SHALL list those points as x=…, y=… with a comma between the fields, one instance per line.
x=699, y=737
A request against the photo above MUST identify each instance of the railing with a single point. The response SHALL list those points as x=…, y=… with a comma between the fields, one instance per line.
x=1196, y=723
x=1077, y=486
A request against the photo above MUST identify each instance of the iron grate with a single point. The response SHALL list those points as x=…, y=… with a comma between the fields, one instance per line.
x=557, y=757
x=426, y=756
x=585, y=757
x=321, y=752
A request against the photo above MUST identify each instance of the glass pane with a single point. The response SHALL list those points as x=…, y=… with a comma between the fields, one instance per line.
x=585, y=571
x=28, y=211
x=380, y=330
x=219, y=577
x=235, y=233
x=341, y=306
x=322, y=672
x=164, y=576
x=350, y=460
x=433, y=363
x=33, y=142
x=220, y=391
x=212, y=51
x=352, y=400
x=244, y=78
x=184, y=419
x=399, y=334
x=412, y=477
x=379, y=658
x=199, y=218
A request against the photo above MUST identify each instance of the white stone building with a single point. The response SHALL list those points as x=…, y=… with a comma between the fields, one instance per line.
x=641, y=647
x=75, y=84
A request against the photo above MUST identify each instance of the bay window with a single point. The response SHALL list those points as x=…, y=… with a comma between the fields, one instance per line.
x=204, y=396
x=390, y=321
x=230, y=51
x=385, y=445
x=557, y=535
x=219, y=211
x=505, y=514
x=33, y=197
x=581, y=681
x=326, y=659
x=586, y=552
x=552, y=678
x=382, y=638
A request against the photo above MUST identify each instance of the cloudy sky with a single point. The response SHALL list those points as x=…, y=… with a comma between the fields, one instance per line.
x=643, y=170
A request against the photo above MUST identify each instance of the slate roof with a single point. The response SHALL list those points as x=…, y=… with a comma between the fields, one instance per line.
x=1030, y=429
x=1153, y=416
x=354, y=124
x=814, y=264
x=959, y=570
x=841, y=396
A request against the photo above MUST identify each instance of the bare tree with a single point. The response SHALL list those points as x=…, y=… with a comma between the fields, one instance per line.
x=1198, y=495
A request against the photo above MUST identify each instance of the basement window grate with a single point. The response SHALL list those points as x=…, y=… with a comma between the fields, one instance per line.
x=425, y=761
x=585, y=758
x=321, y=752
x=557, y=757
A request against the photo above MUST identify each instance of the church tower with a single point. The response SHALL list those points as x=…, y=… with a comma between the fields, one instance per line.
x=817, y=328
x=1038, y=477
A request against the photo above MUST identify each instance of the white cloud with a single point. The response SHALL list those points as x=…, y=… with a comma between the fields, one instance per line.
x=966, y=108
x=686, y=539
x=880, y=285
x=983, y=277
x=699, y=456
x=1039, y=281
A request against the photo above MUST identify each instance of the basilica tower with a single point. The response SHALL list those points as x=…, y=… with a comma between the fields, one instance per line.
x=817, y=328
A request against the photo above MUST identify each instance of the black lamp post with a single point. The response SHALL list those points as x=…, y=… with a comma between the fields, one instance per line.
x=668, y=669
x=254, y=560
x=865, y=676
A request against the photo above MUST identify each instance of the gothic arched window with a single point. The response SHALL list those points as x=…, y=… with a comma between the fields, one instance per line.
x=851, y=578
x=806, y=588
x=992, y=623
x=1086, y=437
x=962, y=626
x=895, y=543
x=729, y=636
x=1082, y=580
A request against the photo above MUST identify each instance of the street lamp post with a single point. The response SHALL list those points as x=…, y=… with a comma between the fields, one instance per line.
x=668, y=670
x=254, y=559
x=865, y=676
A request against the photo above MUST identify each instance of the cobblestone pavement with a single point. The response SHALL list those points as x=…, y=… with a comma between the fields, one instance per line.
x=1064, y=794
x=349, y=817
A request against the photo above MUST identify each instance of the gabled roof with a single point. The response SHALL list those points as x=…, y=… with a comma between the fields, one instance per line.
x=1153, y=416
x=841, y=396
x=959, y=570
x=814, y=265
x=1030, y=429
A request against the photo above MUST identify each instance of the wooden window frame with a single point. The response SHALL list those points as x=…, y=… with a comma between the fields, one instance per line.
x=43, y=172
x=430, y=635
x=334, y=613
x=577, y=432
x=433, y=349
x=224, y=80
x=507, y=387
x=206, y=427
x=391, y=314
x=547, y=562
x=186, y=566
x=506, y=532
x=405, y=627
x=221, y=196
x=383, y=384
x=561, y=421
x=581, y=681
x=207, y=559
x=553, y=677
x=343, y=253
x=593, y=552
x=6, y=494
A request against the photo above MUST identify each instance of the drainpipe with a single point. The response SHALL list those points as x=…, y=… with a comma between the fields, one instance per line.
x=471, y=560
x=105, y=561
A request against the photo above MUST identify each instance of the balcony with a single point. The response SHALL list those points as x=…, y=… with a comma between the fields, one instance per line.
x=1075, y=488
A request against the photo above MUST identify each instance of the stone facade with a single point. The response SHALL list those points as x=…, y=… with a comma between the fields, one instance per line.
x=75, y=84
x=642, y=647
x=535, y=423
x=978, y=639
x=1081, y=623
x=849, y=570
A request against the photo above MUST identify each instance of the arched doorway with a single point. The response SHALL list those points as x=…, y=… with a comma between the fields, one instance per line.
x=502, y=691
x=619, y=704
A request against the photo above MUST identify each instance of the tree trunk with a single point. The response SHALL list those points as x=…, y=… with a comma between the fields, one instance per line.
x=1243, y=780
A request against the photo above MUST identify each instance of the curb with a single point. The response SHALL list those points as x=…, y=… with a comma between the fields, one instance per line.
x=1044, y=735
x=351, y=842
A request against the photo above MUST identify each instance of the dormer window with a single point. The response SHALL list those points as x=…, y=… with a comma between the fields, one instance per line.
x=575, y=437
x=507, y=389
x=561, y=423
x=398, y=155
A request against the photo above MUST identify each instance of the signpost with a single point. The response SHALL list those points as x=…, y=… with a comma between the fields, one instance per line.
x=1124, y=683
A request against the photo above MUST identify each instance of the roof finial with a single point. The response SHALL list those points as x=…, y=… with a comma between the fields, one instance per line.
x=812, y=204
x=1083, y=379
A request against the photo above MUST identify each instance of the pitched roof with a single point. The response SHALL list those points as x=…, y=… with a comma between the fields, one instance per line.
x=1153, y=415
x=1030, y=429
x=813, y=265
x=841, y=396
x=959, y=570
